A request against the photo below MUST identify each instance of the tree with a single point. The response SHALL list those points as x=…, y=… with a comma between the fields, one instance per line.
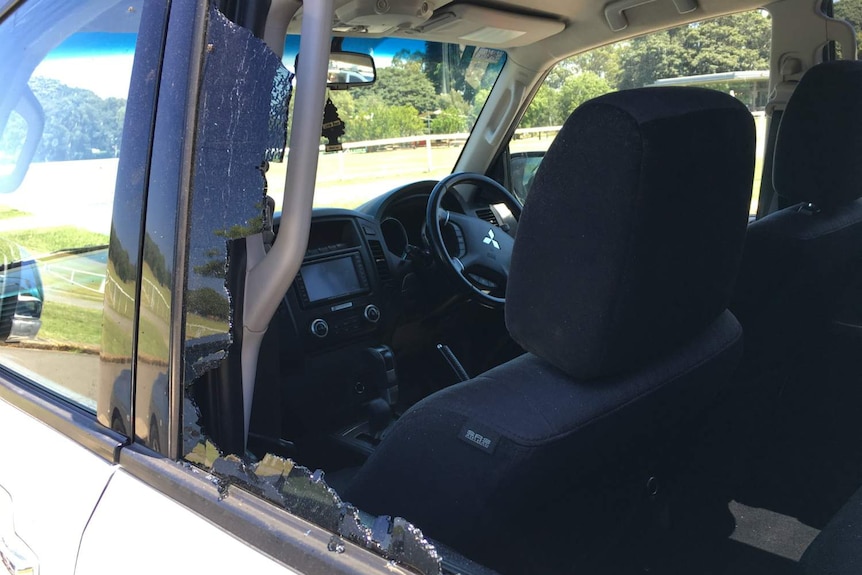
x=455, y=101
x=603, y=61
x=442, y=66
x=343, y=100
x=207, y=302
x=726, y=44
x=79, y=125
x=12, y=138
x=402, y=85
x=120, y=258
x=155, y=259
x=578, y=89
x=376, y=120
x=648, y=58
x=449, y=121
x=559, y=73
x=553, y=104
x=543, y=110
x=850, y=10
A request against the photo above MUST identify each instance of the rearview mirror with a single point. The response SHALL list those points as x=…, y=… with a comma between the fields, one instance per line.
x=349, y=69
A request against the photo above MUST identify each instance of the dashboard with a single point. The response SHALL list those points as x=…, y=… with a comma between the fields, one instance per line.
x=360, y=265
x=369, y=295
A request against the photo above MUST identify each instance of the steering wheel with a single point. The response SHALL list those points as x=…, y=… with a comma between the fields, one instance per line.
x=483, y=250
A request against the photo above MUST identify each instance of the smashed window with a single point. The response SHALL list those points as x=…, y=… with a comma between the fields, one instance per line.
x=241, y=128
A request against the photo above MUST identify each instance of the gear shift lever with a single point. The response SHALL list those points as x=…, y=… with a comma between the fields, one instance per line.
x=385, y=380
x=379, y=417
x=383, y=373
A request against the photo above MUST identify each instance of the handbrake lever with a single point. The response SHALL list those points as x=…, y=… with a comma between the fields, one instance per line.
x=453, y=362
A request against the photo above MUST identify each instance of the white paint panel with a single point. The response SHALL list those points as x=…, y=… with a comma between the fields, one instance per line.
x=138, y=530
x=54, y=484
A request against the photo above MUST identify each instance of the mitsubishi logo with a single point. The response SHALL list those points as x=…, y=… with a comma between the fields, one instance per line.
x=489, y=239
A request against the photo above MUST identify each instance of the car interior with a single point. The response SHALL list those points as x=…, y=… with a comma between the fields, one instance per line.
x=625, y=372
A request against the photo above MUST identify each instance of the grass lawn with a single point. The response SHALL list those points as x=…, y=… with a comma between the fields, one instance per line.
x=152, y=340
x=200, y=326
x=78, y=276
x=67, y=280
x=64, y=323
x=116, y=340
x=49, y=240
x=7, y=213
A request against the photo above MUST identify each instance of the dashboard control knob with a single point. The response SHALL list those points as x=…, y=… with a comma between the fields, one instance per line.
x=372, y=313
x=319, y=328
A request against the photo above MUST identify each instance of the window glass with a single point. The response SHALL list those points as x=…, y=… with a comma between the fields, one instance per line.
x=730, y=54
x=411, y=124
x=61, y=116
x=851, y=11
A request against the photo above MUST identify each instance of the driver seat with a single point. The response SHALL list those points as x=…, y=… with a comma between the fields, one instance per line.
x=622, y=269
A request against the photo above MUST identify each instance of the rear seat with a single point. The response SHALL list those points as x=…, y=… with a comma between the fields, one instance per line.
x=838, y=548
x=794, y=412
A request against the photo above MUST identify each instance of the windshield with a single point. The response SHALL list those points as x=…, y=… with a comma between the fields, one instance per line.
x=410, y=125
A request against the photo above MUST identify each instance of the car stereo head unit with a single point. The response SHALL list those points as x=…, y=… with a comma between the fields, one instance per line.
x=331, y=279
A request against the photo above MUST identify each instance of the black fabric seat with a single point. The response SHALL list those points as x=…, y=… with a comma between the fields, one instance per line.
x=798, y=260
x=798, y=295
x=837, y=550
x=626, y=253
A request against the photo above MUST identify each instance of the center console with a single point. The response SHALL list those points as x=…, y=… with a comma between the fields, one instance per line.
x=338, y=295
x=326, y=374
x=337, y=317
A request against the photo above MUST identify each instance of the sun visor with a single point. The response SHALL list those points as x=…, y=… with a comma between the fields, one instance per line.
x=481, y=26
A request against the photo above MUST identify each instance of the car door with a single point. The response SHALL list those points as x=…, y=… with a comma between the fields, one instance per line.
x=75, y=152
x=104, y=152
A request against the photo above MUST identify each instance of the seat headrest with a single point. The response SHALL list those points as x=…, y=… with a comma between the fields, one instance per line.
x=819, y=142
x=631, y=236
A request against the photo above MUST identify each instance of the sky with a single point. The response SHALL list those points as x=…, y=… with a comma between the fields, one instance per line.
x=99, y=62
x=102, y=62
x=107, y=76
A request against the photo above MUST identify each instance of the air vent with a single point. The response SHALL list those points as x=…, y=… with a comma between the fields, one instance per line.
x=487, y=215
x=380, y=261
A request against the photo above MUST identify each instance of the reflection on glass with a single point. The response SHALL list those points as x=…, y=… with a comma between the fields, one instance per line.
x=59, y=163
x=154, y=330
x=350, y=68
x=122, y=278
x=247, y=108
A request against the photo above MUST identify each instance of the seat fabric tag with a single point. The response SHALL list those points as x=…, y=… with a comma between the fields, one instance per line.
x=479, y=437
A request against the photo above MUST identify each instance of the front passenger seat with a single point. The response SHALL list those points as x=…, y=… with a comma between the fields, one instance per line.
x=622, y=269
